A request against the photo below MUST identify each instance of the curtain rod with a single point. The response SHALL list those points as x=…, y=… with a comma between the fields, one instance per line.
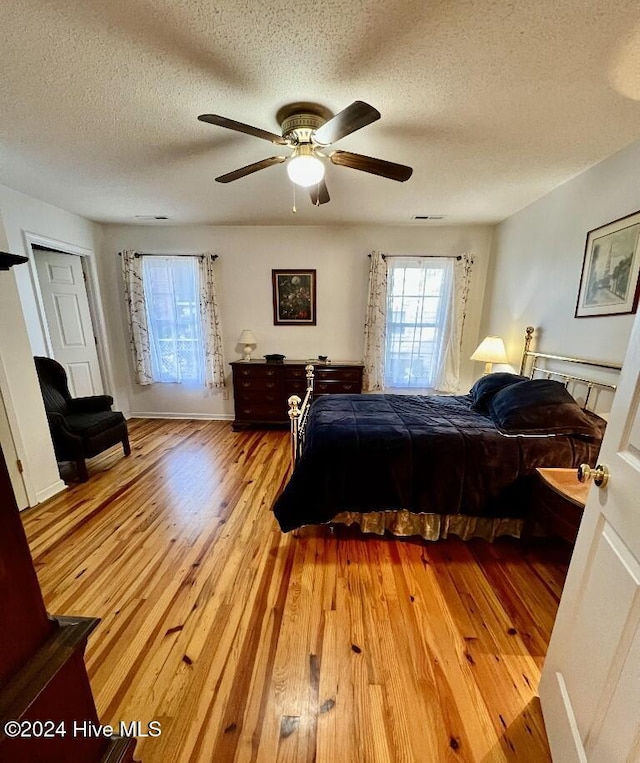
x=214, y=257
x=423, y=256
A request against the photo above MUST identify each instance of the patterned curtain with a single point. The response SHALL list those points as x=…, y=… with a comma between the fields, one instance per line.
x=137, y=317
x=211, y=331
x=448, y=379
x=375, y=327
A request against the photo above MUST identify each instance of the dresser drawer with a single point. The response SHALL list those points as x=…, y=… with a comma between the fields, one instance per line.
x=294, y=388
x=338, y=374
x=260, y=412
x=269, y=398
x=258, y=383
x=256, y=371
x=336, y=387
x=294, y=374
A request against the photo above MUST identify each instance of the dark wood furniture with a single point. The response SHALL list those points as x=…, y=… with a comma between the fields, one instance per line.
x=261, y=389
x=42, y=672
x=7, y=260
x=558, y=502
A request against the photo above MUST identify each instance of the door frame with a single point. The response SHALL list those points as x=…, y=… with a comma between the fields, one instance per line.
x=93, y=291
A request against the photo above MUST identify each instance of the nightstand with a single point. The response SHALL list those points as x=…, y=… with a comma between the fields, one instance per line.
x=558, y=502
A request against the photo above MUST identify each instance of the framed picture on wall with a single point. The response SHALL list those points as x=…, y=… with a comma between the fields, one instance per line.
x=609, y=281
x=294, y=297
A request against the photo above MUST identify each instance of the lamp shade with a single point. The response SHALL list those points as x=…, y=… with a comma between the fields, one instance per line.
x=490, y=350
x=247, y=337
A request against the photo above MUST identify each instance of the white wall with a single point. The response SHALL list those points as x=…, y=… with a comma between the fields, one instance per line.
x=537, y=261
x=22, y=214
x=247, y=255
x=21, y=334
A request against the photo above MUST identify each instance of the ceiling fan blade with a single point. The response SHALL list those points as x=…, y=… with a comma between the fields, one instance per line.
x=359, y=114
x=391, y=170
x=261, y=165
x=231, y=124
x=319, y=194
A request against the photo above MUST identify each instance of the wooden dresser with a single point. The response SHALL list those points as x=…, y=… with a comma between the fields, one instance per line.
x=261, y=389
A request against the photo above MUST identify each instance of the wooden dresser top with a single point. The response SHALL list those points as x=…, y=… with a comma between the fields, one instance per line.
x=318, y=363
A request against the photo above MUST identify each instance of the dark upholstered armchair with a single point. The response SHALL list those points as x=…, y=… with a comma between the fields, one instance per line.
x=81, y=427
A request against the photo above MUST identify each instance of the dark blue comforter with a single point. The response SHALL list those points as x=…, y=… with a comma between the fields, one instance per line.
x=425, y=454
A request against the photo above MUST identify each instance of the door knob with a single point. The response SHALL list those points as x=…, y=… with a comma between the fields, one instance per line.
x=600, y=474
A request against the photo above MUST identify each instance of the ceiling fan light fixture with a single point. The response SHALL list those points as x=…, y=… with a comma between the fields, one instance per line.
x=304, y=168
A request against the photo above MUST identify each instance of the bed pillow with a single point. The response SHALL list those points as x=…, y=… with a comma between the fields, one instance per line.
x=487, y=386
x=539, y=406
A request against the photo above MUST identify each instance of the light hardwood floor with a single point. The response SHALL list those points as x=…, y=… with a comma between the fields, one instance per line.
x=250, y=645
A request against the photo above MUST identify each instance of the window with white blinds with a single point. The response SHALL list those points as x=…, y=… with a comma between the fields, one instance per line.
x=173, y=316
x=419, y=293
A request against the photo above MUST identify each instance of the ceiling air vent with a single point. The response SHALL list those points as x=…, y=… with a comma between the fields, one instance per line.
x=428, y=217
x=151, y=217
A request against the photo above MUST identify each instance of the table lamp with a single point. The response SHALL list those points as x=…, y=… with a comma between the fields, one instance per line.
x=247, y=338
x=490, y=350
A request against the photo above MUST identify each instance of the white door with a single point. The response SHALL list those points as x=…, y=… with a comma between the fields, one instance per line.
x=590, y=686
x=66, y=307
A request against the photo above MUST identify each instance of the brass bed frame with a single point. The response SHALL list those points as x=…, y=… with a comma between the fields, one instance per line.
x=532, y=358
x=530, y=365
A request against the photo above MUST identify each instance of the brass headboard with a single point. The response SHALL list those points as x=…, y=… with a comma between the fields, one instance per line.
x=530, y=365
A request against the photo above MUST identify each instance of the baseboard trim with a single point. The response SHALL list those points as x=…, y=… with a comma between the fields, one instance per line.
x=48, y=492
x=171, y=415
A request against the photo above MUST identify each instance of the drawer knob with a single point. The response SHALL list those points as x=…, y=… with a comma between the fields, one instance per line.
x=600, y=474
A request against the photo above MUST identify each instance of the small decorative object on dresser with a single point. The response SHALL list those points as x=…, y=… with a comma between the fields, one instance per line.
x=249, y=343
x=558, y=502
x=261, y=389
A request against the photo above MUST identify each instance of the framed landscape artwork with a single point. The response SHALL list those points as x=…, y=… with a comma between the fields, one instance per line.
x=294, y=297
x=609, y=281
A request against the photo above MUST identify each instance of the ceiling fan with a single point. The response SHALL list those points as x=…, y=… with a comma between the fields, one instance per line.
x=308, y=129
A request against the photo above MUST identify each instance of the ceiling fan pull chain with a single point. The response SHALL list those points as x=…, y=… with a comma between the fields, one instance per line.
x=294, y=210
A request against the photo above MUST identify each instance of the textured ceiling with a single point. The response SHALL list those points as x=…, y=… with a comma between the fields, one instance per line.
x=492, y=103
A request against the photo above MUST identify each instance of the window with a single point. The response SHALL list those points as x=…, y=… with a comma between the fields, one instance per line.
x=173, y=316
x=419, y=292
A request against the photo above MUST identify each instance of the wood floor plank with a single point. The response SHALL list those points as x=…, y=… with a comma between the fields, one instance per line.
x=250, y=646
x=467, y=722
